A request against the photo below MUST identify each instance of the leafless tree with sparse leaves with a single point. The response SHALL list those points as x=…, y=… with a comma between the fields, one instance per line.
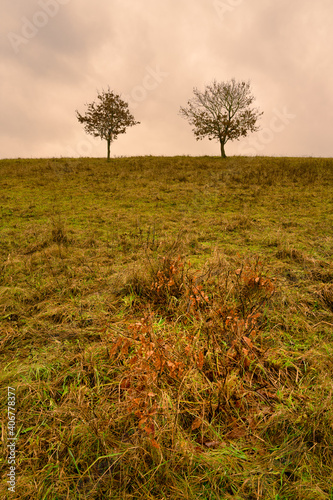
x=222, y=112
x=107, y=118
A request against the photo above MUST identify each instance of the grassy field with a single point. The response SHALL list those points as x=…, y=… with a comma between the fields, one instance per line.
x=167, y=325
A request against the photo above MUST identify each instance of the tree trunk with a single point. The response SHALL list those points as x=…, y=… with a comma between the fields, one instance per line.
x=223, y=155
x=109, y=142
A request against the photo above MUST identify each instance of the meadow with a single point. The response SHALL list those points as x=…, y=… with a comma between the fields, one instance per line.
x=167, y=325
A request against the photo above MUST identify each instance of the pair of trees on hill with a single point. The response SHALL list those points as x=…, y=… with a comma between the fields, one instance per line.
x=221, y=112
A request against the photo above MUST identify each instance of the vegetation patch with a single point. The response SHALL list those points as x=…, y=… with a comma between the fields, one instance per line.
x=167, y=326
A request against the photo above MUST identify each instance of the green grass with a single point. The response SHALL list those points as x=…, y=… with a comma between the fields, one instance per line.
x=167, y=325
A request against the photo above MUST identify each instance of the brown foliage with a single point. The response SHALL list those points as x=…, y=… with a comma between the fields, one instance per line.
x=223, y=353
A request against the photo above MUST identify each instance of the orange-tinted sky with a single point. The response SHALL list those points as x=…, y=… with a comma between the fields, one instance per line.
x=56, y=54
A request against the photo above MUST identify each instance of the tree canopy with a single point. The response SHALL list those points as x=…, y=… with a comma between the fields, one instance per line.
x=107, y=118
x=222, y=112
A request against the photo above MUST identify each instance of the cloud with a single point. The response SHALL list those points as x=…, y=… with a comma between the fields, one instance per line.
x=284, y=48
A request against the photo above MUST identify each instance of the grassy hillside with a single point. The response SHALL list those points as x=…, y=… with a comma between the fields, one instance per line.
x=167, y=325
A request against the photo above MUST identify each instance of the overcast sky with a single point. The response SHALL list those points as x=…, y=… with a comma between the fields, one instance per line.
x=56, y=54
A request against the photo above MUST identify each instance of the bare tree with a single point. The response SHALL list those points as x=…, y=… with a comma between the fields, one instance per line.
x=222, y=112
x=107, y=118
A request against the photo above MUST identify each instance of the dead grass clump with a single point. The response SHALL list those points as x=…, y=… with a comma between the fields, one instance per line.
x=36, y=247
x=309, y=426
x=252, y=287
x=58, y=231
x=238, y=222
x=291, y=276
x=326, y=295
x=292, y=254
x=168, y=284
x=322, y=275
